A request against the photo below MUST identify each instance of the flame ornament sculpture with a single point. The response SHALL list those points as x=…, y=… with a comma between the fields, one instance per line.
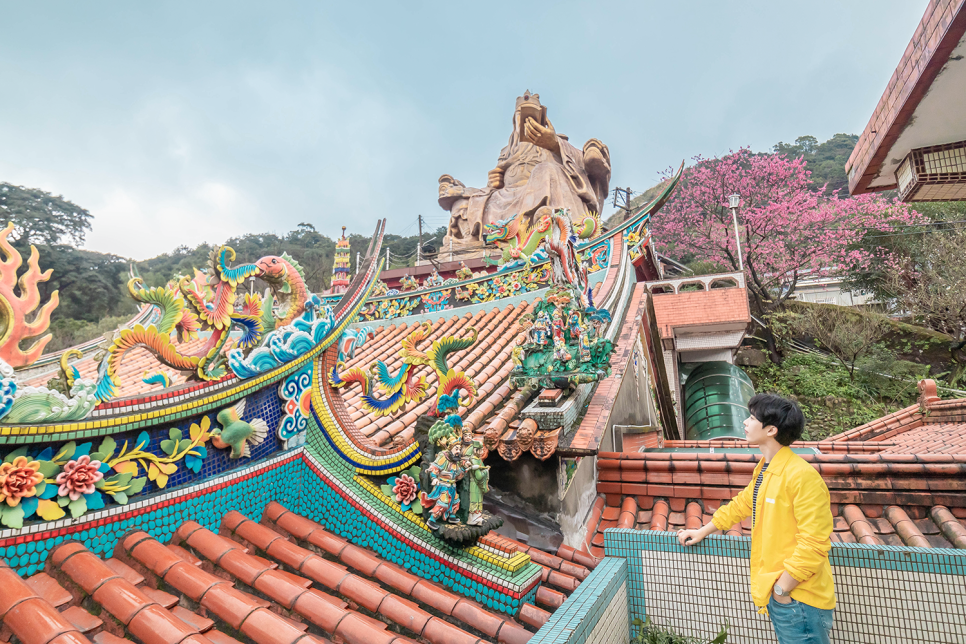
x=15, y=327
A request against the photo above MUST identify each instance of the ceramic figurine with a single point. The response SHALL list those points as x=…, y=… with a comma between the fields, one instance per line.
x=238, y=434
x=445, y=472
x=541, y=329
x=464, y=273
x=517, y=356
x=560, y=350
x=558, y=326
x=586, y=342
x=574, y=325
x=408, y=283
x=477, y=474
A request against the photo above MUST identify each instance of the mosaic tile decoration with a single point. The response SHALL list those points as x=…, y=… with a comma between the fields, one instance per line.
x=265, y=404
x=596, y=613
x=884, y=593
x=248, y=491
x=366, y=459
x=359, y=512
x=146, y=411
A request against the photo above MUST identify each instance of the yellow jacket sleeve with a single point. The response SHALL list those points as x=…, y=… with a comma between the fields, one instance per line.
x=814, y=518
x=737, y=510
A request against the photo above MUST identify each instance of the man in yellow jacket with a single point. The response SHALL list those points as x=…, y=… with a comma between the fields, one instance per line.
x=791, y=525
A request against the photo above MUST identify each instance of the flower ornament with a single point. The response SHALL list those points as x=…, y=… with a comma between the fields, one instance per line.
x=405, y=490
x=79, y=477
x=18, y=480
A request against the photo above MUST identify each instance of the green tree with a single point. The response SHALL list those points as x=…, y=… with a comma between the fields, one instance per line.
x=826, y=161
x=39, y=217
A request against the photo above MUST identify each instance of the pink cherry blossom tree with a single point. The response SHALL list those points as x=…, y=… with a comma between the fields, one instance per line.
x=788, y=229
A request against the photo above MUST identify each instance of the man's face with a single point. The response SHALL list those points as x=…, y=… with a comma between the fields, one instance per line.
x=755, y=432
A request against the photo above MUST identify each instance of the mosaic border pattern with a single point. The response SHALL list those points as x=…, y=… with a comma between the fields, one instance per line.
x=577, y=621
x=247, y=490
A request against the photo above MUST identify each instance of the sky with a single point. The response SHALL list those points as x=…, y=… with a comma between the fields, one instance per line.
x=180, y=123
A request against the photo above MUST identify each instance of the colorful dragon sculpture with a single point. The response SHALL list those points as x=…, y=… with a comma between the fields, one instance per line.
x=187, y=310
x=520, y=241
x=406, y=386
x=207, y=304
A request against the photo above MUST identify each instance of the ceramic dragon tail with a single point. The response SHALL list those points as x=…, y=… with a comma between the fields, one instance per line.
x=451, y=380
x=188, y=309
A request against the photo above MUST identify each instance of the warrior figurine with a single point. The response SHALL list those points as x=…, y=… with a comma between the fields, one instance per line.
x=558, y=326
x=541, y=329
x=445, y=472
x=477, y=475
x=573, y=322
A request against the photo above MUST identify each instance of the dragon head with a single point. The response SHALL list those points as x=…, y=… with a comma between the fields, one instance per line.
x=501, y=230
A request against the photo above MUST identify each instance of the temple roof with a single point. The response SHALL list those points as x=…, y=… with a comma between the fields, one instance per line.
x=281, y=581
x=922, y=103
x=898, y=480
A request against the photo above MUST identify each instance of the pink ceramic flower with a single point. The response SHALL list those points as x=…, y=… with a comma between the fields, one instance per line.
x=18, y=480
x=405, y=489
x=79, y=477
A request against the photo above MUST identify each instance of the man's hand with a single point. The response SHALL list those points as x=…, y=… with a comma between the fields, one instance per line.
x=788, y=583
x=544, y=137
x=693, y=537
x=494, y=178
x=690, y=537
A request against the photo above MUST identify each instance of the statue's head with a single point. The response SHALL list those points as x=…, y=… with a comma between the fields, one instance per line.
x=528, y=99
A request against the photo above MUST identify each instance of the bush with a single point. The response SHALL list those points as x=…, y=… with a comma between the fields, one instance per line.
x=832, y=401
x=648, y=633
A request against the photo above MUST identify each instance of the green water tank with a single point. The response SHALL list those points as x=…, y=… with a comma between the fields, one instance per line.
x=716, y=396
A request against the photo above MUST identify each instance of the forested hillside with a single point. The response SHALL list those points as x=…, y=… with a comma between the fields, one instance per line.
x=92, y=286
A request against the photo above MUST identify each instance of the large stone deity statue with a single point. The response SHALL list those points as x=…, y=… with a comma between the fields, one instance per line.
x=538, y=167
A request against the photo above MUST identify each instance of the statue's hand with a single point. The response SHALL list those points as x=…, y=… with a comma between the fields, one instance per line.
x=495, y=178
x=544, y=137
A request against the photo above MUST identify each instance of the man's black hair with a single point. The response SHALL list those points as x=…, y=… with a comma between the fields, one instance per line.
x=786, y=415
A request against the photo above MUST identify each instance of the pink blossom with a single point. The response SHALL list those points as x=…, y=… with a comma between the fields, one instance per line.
x=79, y=477
x=787, y=228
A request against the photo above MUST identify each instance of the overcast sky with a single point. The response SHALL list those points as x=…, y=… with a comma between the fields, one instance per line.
x=181, y=123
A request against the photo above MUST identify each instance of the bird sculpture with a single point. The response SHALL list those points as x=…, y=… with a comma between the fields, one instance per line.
x=237, y=433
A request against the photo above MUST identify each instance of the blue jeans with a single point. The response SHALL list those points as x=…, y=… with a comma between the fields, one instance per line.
x=798, y=623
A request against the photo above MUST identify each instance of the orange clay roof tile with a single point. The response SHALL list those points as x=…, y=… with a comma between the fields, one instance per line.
x=406, y=608
x=704, y=308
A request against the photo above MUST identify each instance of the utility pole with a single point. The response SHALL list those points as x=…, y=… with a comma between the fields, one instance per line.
x=623, y=195
x=387, y=259
x=358, y=254
x=419, y=248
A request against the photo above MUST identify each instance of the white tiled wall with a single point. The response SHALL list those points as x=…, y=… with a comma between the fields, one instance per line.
x=612, y=627
x=694, y=594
